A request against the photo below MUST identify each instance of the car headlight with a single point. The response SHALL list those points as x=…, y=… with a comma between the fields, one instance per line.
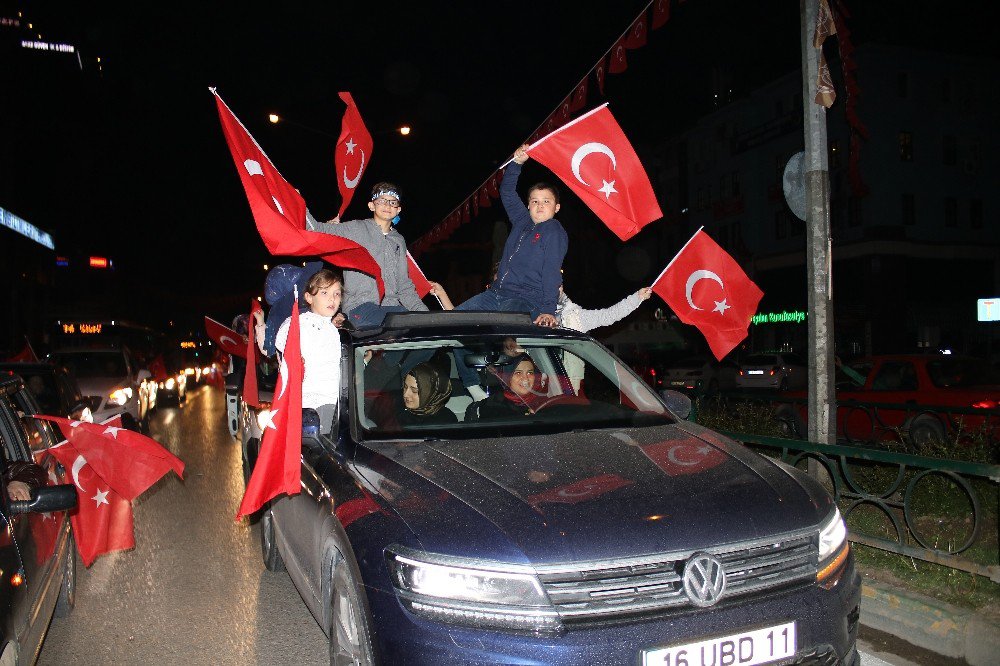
x=477, y=593
x=170, y=383
x=120, y=396
x=833, y=548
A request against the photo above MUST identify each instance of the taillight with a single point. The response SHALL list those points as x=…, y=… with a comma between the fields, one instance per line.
x=986, y=404
x=774, y=371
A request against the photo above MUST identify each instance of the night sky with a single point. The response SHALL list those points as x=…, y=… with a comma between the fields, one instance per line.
x=130, y=161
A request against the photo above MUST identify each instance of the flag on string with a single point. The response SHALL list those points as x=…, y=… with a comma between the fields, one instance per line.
x=251, y=395
x=420, y=280
x=594, y=158
x=353, y=151
x=280, y=212
x=661, y=13
x=637, y=33
x=706, y=288
x=484, y=198
x=226, y=338
x=618, y=61
x=600, y=71
x=579, y=99
x=277, y=470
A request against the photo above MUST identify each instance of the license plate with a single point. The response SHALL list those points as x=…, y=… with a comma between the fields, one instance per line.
x=749, y=648
x=755, y=372
x=677, y=383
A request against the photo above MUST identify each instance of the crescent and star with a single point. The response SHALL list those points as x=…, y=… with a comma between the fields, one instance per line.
x=702, y=274
x=223, y=338
x=352, y=183
x=594, y=147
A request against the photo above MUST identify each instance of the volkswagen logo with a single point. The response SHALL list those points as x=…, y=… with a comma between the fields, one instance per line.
x=704, y=579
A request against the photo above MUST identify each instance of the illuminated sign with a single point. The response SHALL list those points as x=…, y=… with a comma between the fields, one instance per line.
x=988, y=309
x=10, y=21
x=47, y=46
x=62, y=261
x=795, y=317
x=187, y=345
x=81, y=329
x=16, y=224
x=99, y=262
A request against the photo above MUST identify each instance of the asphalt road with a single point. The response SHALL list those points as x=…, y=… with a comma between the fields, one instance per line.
x=194, y=589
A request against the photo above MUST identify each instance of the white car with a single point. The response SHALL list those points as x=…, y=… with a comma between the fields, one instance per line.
x=780, y=370
x=110, y=375
x=700, y=374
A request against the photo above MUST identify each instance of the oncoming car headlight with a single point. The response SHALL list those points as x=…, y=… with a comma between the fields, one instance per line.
x=833, y=548
x=170, y=383
x=120, y=396
x=477, y=593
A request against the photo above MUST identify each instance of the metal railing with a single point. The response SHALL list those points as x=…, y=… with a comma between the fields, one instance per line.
x=846, y=465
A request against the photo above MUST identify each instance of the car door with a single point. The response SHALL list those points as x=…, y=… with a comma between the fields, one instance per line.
x=36, y=538
x=892, y=382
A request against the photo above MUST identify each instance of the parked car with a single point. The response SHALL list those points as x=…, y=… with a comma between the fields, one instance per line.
x=590, y=528
x=37, y=554
x=54, y=389
x=780, y=370
x=699, y=374
x=918, y=385
x=109, y=374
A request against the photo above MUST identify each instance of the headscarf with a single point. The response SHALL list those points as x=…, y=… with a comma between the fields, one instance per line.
x=433, y=390
x=537, y=395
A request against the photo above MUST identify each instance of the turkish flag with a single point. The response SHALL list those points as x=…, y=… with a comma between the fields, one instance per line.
x=494, y=185
x=158, y=369
x=128, y=461
x=277, y=469
x=594, y=158
x=706, y=288
x=102, y=519
x=417, y=277
x=353, y=152
x=280, y=212
x=676, y=458
x=600, y=72
x=637, y=33
x=228, y=340
x=579, y=491
x=484, y=198
x=251, y=395
x=661, y=13
x=579, y=99
x=618, y=62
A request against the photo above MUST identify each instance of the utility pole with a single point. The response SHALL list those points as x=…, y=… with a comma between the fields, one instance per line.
x=819, y=259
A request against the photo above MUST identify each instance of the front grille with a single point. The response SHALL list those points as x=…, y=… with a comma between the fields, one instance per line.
x=606, y=589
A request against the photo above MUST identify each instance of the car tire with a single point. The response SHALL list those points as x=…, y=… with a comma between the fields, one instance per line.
x=924, y=431
x=67, y=590
x=268, y=543
x=350, y=627
x=790, y=423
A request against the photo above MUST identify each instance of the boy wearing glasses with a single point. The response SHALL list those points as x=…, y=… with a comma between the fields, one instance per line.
x=387, y=247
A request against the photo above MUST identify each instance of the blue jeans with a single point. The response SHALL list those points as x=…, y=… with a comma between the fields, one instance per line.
x=491, y=301
x=368, y=315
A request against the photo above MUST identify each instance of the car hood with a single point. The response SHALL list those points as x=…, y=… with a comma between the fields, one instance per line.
x=101, y=386
x=592, y=495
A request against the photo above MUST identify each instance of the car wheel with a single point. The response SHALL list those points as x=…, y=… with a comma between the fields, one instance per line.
x=268, y=545
x=350, y=637
x=67, y=591
x=924, y=431
x=790, y=423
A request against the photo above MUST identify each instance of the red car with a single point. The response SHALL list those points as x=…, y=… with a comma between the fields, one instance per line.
x=923, y=383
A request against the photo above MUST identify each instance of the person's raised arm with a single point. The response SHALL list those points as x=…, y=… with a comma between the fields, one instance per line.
x=512, y=204
x=442, y=296
x=591, y=319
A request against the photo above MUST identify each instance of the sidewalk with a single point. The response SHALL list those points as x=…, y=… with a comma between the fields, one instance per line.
x=930, y=624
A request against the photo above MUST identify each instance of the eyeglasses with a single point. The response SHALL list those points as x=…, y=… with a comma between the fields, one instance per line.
x=392, y=203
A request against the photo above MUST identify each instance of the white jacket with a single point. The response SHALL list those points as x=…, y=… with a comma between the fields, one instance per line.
x=319, y=340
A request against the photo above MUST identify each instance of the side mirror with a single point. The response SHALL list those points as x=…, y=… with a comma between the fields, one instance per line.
x=143, y=375
x=47, y=499
x=677, y=402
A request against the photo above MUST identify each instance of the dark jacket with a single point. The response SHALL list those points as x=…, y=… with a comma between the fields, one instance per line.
x=531, y=266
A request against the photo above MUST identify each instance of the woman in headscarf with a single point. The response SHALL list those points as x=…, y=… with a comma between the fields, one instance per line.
x=522, y=392
x=425, y=392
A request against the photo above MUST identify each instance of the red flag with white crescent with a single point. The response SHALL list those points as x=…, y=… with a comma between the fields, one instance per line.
x=277, y=470
x=637, y=33
x=226, y=338
x=706, y=288
x=280, y=212
x=251, y=395
x=594, y=158
x=353, y=151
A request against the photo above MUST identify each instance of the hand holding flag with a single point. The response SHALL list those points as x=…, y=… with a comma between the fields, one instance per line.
x=705, y=287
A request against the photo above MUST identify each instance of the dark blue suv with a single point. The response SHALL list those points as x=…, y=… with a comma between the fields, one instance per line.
x=569, y=518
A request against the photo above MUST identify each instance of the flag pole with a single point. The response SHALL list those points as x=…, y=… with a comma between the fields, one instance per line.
x=559, y=129
x=677, y=255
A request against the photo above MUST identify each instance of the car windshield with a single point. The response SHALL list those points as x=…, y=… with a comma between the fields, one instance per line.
x=961, y=372
x=533, y=385
x=761, y=359
x=92, y=363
